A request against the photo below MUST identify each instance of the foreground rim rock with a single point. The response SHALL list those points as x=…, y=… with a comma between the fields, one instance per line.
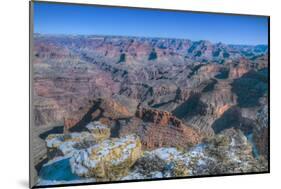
x=108, y=160
x=228, y=152
x=66, y=144
x=91, y=154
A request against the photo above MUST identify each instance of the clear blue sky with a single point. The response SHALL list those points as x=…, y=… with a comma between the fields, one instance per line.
x=78, y=19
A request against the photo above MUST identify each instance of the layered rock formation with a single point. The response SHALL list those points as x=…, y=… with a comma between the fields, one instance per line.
x=70, y=71
x=92, y=153
x=107, y=111
x=230, y=152
x=146, y=123
x=227, y=153
x=195, y=107
x=66, y=144
x=109, y=160
x=159, y=128
x=86, y=155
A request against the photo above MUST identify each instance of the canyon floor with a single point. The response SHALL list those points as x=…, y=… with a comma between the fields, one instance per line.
x=109, y=108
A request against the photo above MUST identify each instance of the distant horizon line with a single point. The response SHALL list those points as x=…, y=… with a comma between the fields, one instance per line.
x=132, y=36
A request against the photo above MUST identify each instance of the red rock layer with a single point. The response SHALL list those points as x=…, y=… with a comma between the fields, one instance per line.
x=160, y=128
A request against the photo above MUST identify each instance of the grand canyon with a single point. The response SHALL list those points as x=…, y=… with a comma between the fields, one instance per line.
x=112, y=108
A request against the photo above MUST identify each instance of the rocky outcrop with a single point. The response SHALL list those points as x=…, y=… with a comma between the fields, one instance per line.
x=160, y=163
x=188, y=104
x=155, y=128
x=47, y=112
x=69, y=123
x=233, y=118
x=239, y=68
x=226, y=153
x=160, y=118
x=203, y=108
x=66, y=144
x=159, y=128
x=98, y=130
x=250, y=88
x=123, y=159
x=260, y=132
x=107, y=111
x=70, y=71
x=231, y=153
x=109, y=160
x=91, y=154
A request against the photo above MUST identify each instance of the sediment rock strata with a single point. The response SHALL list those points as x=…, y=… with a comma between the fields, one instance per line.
x=66, y=144
x=107, y=111
x=109, y=160
x=194, y=107
x=228, y=152
x=70, y=71
x=159, y=128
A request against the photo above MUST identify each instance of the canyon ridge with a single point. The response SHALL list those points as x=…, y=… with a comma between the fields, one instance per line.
x=109, y=108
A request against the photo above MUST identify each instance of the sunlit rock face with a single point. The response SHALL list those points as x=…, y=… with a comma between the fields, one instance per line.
x=98, y=130
x=105, y=110
x=70, y=71
x=67, y=144
x=142, y=108
x=228, y=152
x=158, y=128
x=90, y=154
x=108, y=160
x=84, y=158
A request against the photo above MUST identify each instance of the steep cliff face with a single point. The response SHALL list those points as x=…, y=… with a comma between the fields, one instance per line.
x=197, y=81
x=159, y=128
x=154, y=127
x=189, y=101
x=89, y=154
x=82, y=69
x=107, y=111
x=66, y=91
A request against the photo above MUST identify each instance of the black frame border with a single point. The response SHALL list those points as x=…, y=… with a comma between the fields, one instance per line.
x=143, y=8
